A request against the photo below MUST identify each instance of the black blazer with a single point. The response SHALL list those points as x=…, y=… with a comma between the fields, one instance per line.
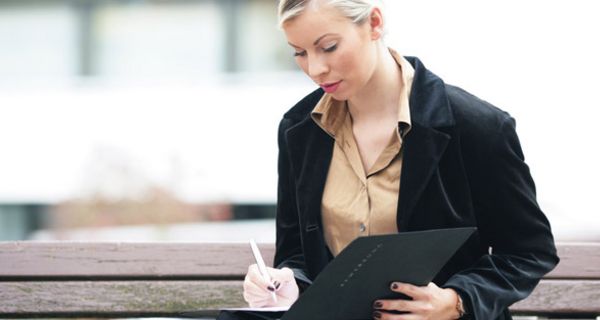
x=462, y=166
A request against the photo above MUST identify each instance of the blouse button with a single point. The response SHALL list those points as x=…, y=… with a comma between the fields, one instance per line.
x=363, y=227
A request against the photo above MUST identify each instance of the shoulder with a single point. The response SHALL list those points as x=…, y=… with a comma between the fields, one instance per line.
x=300, y=111
x=303, y=107
x=435, y=103
x=476, y=119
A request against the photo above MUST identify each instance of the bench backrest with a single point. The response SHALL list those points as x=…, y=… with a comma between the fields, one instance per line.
x=56, y=279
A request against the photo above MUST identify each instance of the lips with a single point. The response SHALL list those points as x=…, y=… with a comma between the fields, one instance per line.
x=330, y=87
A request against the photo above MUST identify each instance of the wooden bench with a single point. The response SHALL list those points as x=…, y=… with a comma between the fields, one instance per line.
x=78, y=279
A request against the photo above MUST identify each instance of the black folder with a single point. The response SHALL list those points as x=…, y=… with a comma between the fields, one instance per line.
x=363, y=272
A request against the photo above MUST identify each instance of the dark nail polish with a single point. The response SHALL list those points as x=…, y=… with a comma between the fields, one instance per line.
x=394, y=286
x=277, y=284
x=377, y=315
x=377, y=305
x=270, y=288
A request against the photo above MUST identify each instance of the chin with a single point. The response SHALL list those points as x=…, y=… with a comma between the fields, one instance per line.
x=340, y=95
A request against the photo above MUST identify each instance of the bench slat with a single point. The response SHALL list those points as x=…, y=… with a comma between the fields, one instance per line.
x=194, y=260
x=46, y=260
x=54, y=279
x=578, y=261
x=562, y=297
x=170, y=298
x=117, y=298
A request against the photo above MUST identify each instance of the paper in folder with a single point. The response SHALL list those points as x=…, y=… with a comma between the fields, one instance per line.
x=363, y=272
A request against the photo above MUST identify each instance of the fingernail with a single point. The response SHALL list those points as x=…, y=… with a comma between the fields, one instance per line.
x=394, y=286
x=377, y=304
x=376, y=314
x=277, y=284
x=270, y=288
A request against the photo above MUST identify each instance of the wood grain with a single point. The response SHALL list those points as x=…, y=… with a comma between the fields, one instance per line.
x=172, y=298
x=194, y=260
x=46, y=260
x=578, y=261
x=562, y=297
x=84, y=279
x=117, y=298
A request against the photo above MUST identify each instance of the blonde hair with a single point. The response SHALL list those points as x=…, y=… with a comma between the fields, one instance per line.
x=356, y=10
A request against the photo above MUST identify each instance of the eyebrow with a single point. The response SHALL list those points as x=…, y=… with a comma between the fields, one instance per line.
x=316, y=41
x=321, y=37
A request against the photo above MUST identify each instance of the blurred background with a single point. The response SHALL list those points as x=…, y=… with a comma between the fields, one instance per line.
x=154, y=120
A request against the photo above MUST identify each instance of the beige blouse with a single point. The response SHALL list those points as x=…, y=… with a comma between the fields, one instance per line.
x=356, y=204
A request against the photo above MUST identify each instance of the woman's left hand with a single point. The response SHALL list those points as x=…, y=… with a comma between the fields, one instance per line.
x=428, y=303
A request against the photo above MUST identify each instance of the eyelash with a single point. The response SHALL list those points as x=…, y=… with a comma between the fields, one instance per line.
x=328, y=50
x=331, y=49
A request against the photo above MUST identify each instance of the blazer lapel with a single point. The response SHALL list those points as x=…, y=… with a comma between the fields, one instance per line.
x=423, y=149
x=310, y=153
x=425, y=143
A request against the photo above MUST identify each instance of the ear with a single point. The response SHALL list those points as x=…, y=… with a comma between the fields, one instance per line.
x=376, y=23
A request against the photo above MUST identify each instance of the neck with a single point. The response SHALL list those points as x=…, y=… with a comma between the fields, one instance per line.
x=379, y=97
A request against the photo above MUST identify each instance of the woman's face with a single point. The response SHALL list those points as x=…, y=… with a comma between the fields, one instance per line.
x=333, y=51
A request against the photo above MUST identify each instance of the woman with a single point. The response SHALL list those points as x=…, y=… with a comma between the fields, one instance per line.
x=386, y=146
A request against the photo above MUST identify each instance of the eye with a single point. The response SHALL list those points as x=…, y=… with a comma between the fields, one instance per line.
x=330, y=48
x=299, y=53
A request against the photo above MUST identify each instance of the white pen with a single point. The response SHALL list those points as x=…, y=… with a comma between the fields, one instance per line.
x=262, y=268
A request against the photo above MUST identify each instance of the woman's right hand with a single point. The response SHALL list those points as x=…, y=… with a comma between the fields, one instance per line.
x=257, y=291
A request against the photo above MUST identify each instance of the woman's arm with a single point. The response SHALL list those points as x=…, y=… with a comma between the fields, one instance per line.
x=511, y=222
x=288, y=244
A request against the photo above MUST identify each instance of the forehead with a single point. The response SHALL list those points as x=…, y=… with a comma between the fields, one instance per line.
x=313, y=22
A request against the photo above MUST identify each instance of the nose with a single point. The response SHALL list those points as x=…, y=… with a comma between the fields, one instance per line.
x=317, y=66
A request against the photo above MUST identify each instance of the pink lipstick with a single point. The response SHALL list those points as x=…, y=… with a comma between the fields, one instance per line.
x=330, y=87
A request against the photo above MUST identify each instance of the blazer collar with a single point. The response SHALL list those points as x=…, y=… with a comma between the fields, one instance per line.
x=311, y=148
x=429, y=105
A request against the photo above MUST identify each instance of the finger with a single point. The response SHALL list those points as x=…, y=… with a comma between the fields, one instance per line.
x=257, y=289
x=253, y=294
x=256, y=277
x=258, y=303
x=382, y=315
x=416, y=293
x=252, y=286
x=252, y=297
x=282, y=275
x=256, y=295
x=411, y=306
x=393, y=304
x=260, y=278
x=258, y=300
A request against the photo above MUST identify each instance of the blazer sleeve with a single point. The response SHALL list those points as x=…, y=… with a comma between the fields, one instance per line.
x=288, y=245
x=511, y=222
